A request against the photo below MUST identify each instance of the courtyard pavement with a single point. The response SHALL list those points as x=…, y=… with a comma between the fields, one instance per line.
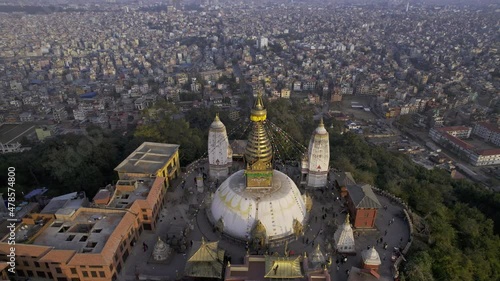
x=185, y=209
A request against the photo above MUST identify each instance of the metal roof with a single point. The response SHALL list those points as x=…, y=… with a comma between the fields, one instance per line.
x=363, y=196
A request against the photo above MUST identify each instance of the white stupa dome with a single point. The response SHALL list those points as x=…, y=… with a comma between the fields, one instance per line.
x=240, y=208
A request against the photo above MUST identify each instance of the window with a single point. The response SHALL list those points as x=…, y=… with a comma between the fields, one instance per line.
x=37, y=264
x=111, y=267
x=101, y=274
x=145, y=217
x=73, y=270
x=85, y=274
x=125, y=256
x=30, y=273
x=21, y=273
x=40, y=274
x=25, y=263
x=58, y=270
x=94, y=273
x=61, y=279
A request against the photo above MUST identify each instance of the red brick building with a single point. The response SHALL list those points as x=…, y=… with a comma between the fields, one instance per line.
x=363, y=205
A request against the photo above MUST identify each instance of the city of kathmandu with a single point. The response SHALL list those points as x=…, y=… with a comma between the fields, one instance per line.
x=249, y=140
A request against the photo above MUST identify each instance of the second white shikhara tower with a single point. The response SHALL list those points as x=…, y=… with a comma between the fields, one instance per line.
x=318, y=157
x=220, y=155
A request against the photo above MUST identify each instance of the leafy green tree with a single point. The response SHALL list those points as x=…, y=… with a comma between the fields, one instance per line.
x=419, y=268
x=191, y=140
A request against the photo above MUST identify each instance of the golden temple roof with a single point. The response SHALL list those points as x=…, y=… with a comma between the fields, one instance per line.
x=205, y=260
x=204, y=251
x=283, y=267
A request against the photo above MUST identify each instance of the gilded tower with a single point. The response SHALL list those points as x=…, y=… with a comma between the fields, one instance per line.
x=258, y=152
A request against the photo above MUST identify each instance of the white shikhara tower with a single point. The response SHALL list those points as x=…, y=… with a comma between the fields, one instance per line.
x=318, y=157
x=344, y=238
x=220, y=155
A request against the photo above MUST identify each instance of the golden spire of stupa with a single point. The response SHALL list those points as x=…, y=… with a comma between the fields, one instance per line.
x=258, y=152
x=258, y=113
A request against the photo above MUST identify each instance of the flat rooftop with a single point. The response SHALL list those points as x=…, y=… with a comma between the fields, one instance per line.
x=123, y=199
x=86, y=233
x=148, y=158
x=11, y=133
x=64, y=204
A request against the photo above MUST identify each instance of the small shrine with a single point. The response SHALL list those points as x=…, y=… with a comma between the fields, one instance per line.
x=205, y=260
x=161, y=251
x=371, y=259
x=344, y=238
x=317, y=258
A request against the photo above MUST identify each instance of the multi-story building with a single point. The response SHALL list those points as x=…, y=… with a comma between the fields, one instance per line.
x=149, y=160
x=485, y=157
x=59, y=113
x=80, y=114
x=450, y=138
x=84, y=244
x=147, y=193
x=285, y=93
x=297, y=86
x=26, y=117
x=489, y=132
x=437, y=134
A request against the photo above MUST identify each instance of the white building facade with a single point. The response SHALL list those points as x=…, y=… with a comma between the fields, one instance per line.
x=318, y=158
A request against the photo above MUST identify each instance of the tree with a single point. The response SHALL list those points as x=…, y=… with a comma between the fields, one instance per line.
x=191, y=140
x=419, y=268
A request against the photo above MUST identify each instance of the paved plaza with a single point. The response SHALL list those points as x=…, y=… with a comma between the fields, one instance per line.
x=185, y=209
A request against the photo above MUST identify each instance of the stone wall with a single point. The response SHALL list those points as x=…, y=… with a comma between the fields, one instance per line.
x=408, y=215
